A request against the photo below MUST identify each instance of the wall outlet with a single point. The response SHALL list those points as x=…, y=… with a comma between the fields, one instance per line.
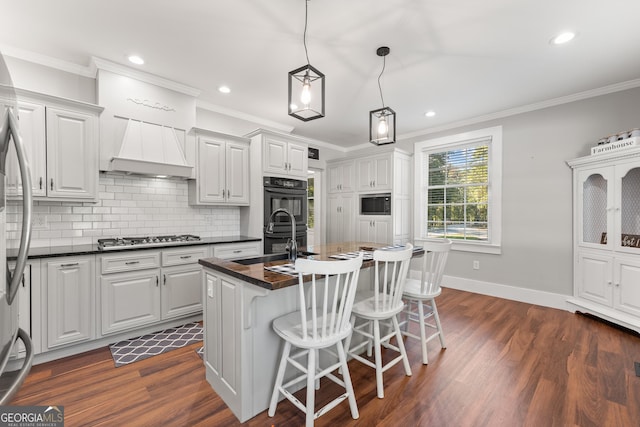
x=39, y=221
x=476, y=265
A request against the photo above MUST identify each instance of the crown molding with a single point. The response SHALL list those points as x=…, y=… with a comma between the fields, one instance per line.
x=592, y=93
x=103, y=64
x=47, y=61
x=243, y=116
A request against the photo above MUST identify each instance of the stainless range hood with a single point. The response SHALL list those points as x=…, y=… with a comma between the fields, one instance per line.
x=151, y=149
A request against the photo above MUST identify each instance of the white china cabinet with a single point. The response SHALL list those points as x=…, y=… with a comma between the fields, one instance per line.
x=607, y=236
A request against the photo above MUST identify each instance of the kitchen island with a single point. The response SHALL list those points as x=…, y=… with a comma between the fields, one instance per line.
x=241, y=299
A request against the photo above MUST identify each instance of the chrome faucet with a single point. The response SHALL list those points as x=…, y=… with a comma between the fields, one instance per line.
x=292, y=246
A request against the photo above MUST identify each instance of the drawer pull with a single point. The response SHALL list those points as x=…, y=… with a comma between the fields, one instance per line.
x=185, y=257
x=73, y=264
x=237, y=251
x=132, y=262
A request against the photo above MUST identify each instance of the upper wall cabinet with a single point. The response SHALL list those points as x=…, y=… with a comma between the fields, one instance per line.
x=341, y=176
x=374, y=173
x=282, y=157
x=222, y=170
x=61, y=141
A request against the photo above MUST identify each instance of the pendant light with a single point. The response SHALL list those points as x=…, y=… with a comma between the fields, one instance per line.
x=306, y=86
x=382, y=122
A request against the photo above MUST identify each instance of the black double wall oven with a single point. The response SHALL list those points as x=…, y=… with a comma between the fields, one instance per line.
x=290, y=194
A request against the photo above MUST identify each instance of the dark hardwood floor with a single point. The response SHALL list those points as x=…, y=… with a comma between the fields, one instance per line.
x=507, y=364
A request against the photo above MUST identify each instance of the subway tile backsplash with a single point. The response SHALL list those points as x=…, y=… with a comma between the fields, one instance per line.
x=127, y=206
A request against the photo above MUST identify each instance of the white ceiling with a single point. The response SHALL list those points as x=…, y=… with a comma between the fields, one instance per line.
x=461, y=58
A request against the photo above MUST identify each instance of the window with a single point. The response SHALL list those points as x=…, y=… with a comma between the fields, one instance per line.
x=458, y=191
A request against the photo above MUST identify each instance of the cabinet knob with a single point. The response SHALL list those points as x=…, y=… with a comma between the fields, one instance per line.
x=617, y=285
x=164, y=279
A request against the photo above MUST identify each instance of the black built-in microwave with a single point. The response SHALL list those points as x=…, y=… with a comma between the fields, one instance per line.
x=375, y=204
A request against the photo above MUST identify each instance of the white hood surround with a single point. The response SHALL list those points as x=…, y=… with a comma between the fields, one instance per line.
x=145, y=121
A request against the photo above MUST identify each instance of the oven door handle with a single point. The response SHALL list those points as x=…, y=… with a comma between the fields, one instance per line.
x=287, y=191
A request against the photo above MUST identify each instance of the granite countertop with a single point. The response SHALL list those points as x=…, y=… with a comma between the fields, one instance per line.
x=57, y=251
x=257, y=275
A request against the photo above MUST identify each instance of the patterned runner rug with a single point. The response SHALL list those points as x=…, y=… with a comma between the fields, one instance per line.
x=132, y=350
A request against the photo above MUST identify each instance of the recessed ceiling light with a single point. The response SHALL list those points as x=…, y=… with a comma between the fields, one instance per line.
x=430, y=113
x=224, y=89
x=135, y=59
x=563, y=37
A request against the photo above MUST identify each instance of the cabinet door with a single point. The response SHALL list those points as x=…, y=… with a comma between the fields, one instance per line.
x=365, y=171
x=32, y=130
x=129, y=300
x=594, y=277
x=222, y=345
x=274, y=156
x=382, y=230
x=298, y=159
x=595, y=198
x=627, y=284
x=364, y=229
x=627, y=208
x=340, y=219
x=69, y=301
x=237, y=176
x=72, y=162
x=341, y=177
x=382, y=173
x=211, y=170
x=181, y=291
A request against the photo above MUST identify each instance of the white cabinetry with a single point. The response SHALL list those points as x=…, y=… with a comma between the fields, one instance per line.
x=389, y=172
x=282, y=157
x=145, y=287
x=68, y=292
x=222, y=171
x=341, y=177
x=607, y=236
x=31, y=117
x=61, y=138
x=29, y=295
x=375, y=229
x=340, y=217
x=237, y=250
x=374, y=173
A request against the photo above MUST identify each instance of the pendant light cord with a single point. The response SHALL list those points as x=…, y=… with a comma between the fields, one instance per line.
x=384, y=63
x=304, y=37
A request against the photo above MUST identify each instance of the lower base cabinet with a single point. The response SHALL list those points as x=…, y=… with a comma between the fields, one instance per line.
x=69, y=294
x=129, y=300
x=144, y=287
x=181, y=291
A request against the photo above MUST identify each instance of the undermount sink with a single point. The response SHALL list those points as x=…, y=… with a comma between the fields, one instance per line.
x=271, y=257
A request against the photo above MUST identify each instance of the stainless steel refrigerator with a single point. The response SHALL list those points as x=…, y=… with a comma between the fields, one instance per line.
x=11, y=379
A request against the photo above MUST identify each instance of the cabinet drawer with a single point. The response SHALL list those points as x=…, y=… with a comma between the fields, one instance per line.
x=236, y=250
x=132, y=261
x=184, y=256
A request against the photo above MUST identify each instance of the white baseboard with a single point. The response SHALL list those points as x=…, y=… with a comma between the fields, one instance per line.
x=530, y=296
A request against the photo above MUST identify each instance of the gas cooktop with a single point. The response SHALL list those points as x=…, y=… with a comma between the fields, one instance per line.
x=143, y=242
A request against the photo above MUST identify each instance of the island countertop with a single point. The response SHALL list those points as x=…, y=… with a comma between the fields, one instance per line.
x=271, y=280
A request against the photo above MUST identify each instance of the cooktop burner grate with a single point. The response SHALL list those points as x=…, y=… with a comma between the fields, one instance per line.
x=138, y=242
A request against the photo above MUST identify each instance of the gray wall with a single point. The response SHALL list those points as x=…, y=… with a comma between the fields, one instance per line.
x=537, y=189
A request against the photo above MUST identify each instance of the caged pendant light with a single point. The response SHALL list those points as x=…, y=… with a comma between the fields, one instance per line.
x=382, y=122
x=306, y=86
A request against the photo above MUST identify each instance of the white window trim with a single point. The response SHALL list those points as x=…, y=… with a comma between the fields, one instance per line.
x=494, y=246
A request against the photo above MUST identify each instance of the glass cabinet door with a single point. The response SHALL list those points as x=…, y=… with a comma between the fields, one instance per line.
x=595, y=197
x=628, y=213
